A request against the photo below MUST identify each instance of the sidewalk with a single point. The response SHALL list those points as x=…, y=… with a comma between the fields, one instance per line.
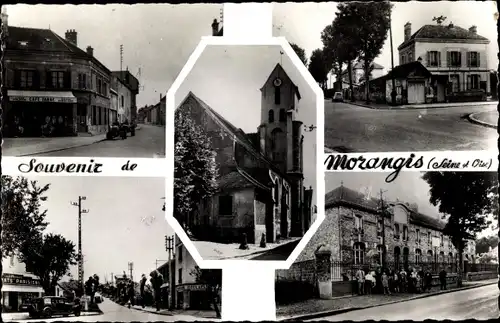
x=378, y=106
x=208, y=314
x=486, y=118
x=315, y=308
x=25, y=316
x=218, y=251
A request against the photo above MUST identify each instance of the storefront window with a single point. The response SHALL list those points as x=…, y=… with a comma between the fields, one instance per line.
x=27, y=79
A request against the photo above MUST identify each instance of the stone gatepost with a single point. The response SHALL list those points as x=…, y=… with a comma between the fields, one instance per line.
x=324, y=272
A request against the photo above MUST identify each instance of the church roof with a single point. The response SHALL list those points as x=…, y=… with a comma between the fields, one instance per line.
x=344, y=196
x=280, y=68
x=257, y=177
x=448, y=32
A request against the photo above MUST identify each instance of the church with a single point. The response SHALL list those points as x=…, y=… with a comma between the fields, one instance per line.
x=260, y=191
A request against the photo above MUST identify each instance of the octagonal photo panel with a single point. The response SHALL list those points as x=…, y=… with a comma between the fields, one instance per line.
x=246, y=135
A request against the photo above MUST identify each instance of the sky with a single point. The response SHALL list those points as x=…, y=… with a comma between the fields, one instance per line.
x=407, y=187
x=302, y=23
x=238, y=72
x=156, y=37
x=125, y=222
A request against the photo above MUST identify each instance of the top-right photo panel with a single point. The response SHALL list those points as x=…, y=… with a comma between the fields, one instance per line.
x=401, y=76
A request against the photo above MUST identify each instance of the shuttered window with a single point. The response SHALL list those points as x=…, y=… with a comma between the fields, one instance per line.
x=473, y=59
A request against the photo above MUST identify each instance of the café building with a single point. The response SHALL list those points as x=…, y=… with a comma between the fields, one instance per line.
x=18, y=284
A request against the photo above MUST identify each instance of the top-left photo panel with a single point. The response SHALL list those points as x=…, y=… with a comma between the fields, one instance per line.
x=91, y=80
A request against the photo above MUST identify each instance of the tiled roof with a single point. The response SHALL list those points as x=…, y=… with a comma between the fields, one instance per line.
x=443, y=32
x=21, y=38
x=403, y=70
x=344, y=195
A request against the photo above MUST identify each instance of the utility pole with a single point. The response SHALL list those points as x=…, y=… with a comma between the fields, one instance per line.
x=80, y=255
x=131, y=270
x=121, y=59
x=383, y=210
x=112, y=278
x=169, y=247
x=393, y=92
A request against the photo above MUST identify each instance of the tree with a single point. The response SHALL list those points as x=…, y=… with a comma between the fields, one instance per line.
x=195, y=169
x=50, y=258
x=213, y=279
x=466, y=199
x=331, y=52
x=372, y=24
x=22, y=219
x=317, y=68
x=301, y=53
x=485, y=243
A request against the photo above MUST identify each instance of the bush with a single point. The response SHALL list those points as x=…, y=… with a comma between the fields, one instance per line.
x=292, y=291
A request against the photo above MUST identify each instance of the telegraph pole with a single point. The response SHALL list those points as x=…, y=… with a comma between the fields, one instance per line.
x=383, y=209
x=169, y=247
x=121, y=59
x=131, y=270
x=80, y=255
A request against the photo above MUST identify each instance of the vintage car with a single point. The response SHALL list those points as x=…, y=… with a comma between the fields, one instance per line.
x=130, y=127
x=116, y=130
x=338, y=97
x=48, y=306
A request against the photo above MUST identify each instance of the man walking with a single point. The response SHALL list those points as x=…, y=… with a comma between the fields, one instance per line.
x=442, y=278
x=360, y=277
x=142, y=284
x=156, y=282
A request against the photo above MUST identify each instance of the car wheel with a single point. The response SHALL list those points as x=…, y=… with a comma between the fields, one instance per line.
x=47, y=313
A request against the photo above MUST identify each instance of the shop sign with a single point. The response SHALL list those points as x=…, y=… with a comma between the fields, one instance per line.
x=42, y=99
x=12, y=279
x=192, y=287
x=102, y=102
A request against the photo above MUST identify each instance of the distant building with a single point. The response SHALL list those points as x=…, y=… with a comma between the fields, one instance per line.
x=358, y=73
x=153, y=114
x=52, y=87
x=456, y=57
x=128, y=88
x=260, y=185
x=18, y=283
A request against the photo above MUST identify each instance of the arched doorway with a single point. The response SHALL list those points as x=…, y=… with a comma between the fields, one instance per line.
x=406, y=256
x=397, y=257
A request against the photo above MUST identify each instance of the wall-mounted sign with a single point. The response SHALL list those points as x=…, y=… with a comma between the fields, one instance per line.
x=192, y=287
x=12, y=279
x=39, y=99
x=101, y=102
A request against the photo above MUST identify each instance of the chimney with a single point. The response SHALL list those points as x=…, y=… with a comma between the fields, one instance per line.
x=90, y=51
x=215, y=27
x=451, y=25
x=71, y=36
x=407, y=31
x=473, y=29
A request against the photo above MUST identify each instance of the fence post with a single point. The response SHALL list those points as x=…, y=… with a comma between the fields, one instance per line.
x=324, y=272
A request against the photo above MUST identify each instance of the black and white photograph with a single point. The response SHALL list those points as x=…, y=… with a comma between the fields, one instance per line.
x=91, y=80
x=73, y=251
x=245, y=153
x=424, y=246
x=431, y=70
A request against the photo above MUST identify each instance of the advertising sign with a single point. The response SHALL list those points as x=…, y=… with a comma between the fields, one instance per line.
x=12, y=279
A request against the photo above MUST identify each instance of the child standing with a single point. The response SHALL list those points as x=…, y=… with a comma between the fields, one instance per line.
x=385, y=283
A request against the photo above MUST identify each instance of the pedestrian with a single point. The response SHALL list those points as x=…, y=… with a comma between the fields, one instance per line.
x=385, y=283
x=142, y=284
x=442, y=278
x=130, y=293
x=156, y=282
x=89, y=286
x=428, y=280
x=360, y=278
x=395, y=279
x=368, y=283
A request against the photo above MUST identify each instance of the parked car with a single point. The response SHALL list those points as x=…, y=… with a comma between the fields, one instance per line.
x=130, y=127
x=338, y=97
x=116, y=130
x=48, y=306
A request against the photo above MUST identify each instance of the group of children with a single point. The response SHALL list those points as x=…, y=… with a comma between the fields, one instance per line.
x=393, y=281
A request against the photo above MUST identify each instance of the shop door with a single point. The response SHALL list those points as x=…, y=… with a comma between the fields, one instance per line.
x=14, y=301
x=82, y=118
x=416, y=93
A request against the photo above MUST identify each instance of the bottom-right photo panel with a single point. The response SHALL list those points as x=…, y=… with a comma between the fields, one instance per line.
x=423, y=246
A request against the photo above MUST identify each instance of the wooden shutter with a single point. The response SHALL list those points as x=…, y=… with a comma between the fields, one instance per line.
x=428, y=59
x=448, y=59
x=478, y=59
x=439, y=58
x=36, y=79
x=469, y=85
x=17, y=78
x=460, y=59
x=48, y=79
x=67, y=79
x=469, y=59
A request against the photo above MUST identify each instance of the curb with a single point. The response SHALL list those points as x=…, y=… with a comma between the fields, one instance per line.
x=351, y=309
x=409, y=107
x=257, y=252
x=471, y=117
x=59, y=149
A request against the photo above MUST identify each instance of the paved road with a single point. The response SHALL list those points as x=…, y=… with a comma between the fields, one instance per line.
x=113, y=312
x=148, y=142
x=280, y=253
x=476, y=303
x=353, y=128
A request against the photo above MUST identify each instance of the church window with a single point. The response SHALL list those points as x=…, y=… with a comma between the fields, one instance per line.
x=282, y=115
x=277, y=95
x=271, y=116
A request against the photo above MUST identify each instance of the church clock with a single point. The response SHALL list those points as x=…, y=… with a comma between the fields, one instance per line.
x=277, y=82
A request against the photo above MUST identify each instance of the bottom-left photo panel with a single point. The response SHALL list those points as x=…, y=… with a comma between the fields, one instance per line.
x=97, y=249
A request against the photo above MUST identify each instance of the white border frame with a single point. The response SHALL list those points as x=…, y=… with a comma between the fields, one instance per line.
x=170, y=129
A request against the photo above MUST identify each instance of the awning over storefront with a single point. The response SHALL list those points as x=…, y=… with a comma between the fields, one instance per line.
x=41, y=96
x=22, y=289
